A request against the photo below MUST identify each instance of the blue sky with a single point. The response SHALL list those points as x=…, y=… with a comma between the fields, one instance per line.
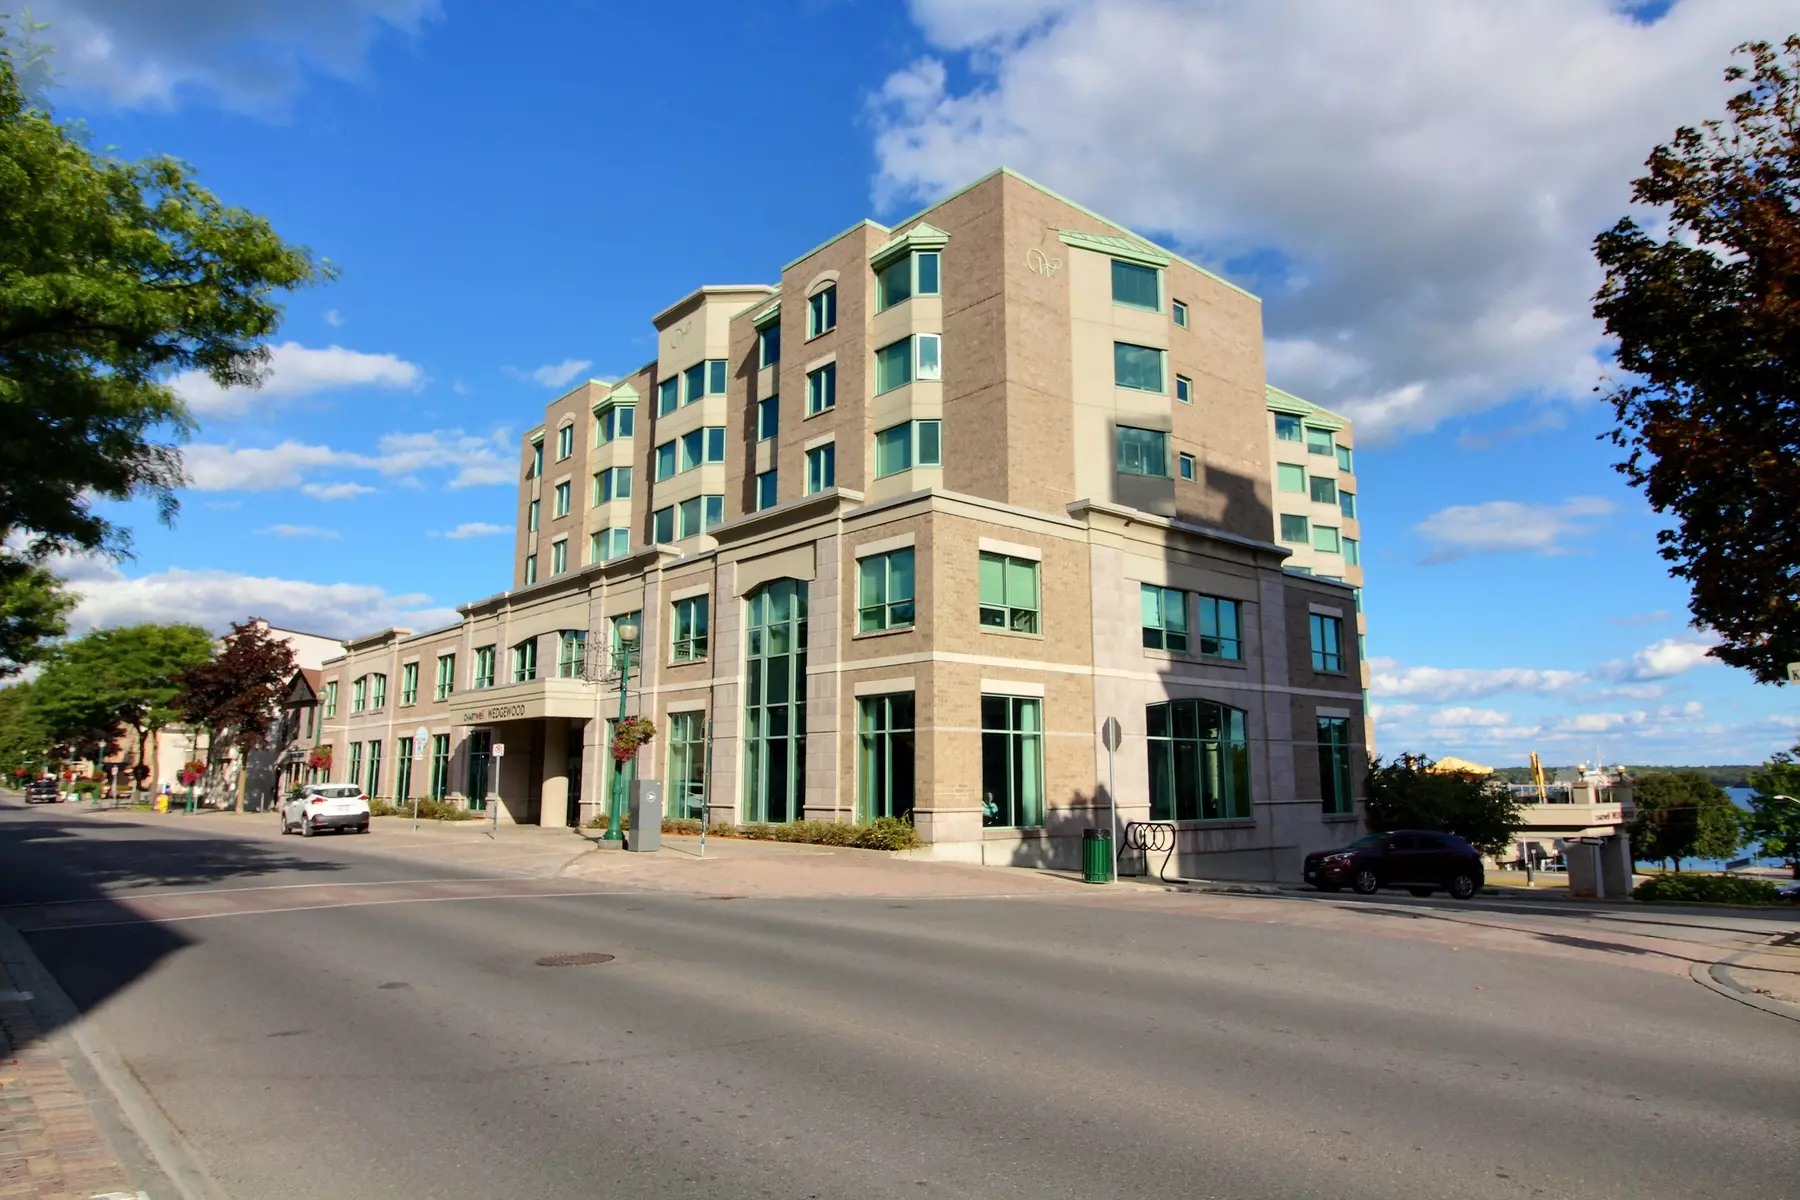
x=510, y=191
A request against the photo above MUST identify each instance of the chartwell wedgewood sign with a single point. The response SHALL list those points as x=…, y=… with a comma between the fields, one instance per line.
x=518, y=710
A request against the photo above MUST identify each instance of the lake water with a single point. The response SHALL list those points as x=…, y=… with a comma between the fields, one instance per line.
x=1741, y=798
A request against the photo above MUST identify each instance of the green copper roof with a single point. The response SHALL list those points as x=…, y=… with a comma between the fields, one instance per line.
x=920, y=237
x=1286, y=402
x=1130, y=249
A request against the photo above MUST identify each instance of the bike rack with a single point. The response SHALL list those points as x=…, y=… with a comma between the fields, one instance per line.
x=1151, y=836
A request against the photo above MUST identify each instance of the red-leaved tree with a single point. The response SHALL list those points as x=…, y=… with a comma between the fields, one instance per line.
x=237, y=696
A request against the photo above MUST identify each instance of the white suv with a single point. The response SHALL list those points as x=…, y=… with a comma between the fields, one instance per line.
x=319, y=806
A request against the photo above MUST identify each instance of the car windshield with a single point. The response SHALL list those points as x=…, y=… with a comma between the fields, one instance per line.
x=1367, y=841
x=342, y=791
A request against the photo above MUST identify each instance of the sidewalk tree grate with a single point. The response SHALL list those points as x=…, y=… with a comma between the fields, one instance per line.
x=584, y=958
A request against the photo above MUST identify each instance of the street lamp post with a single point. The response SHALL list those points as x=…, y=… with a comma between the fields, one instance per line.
x=622, y=654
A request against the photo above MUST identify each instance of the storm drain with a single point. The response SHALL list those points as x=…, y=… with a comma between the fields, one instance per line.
x=585, y=958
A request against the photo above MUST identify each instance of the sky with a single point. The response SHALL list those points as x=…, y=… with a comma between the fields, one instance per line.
x=509, y=192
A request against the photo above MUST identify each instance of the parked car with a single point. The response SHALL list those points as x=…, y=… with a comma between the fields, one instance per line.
x=42, y=791
x=319, y=806
x=1415, y=859
x=1789, y=891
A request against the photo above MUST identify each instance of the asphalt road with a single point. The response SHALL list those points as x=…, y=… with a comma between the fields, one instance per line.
x=322, y=1020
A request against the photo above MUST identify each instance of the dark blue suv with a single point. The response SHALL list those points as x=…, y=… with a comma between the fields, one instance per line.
x=1416, y=859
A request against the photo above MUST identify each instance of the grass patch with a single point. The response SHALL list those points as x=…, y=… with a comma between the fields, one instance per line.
x=1707, y=889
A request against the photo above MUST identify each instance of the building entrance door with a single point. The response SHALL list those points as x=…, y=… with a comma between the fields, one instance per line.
x=574, y=773
x=481, y=759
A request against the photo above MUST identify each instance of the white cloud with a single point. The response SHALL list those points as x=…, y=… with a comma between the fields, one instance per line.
x=296, y=371
x=302, y=531
x=215, y=599
x=1415, y=181
x=1661, y=660
x=476, y=460
x=215, y=468
x=473, y=461
x=1388, y=677
x=250, y=54
x=1461, y=718
x=1602, y=722
x=473, y=529
x=333, y=318
x=1500, y=526
x=336, y=491
x=554, y=375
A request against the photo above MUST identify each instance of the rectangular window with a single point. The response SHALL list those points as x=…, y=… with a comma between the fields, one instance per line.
x=893, y=366
x=1325, y=537
x=714, y=507
x=537, y=461
x=668, y=395
x=359, y=694
x=1142, y=451
x=565, y=442
x=715, y=377
x=687, y=518
x=885, y=591
x=821, y=389
x=693, y=450
x=1327, y=642
x=884, y=727
x=571, y=653
x=768, y=417
x=1334, y=766
x=1287, y=429
x=662, y=525
x=1181, y=313
x=614, y=483
x=821, y=312
x=1219, y=629
x=687, y=766
x=821, y=468
x=765, y=491
x=693, y=383
x=440, y=766
x=378, y=691
x=893, y=450
x=559, y=556
x=331, y=699
x=607, y=544
x=1324, y=490
x=768, y=345
x=1137, y=367
x=1290, y=478
x=1165, y=618
x=446, y=676
x=562, y=494
x=928, y=356
x=1187, y=466
x=1318, y=441
x=1344, y=461
x=902, y=279
x=524, y=661
x=665, y=461
x=930, y=443
x=1009, y=593
x=530, y=569
x=715, y=443
x=690, y=630
x=1012, y=762
x=1136, y=287
x=1347, y=503
x=1184, y=389
x=1199, y=761
x=484, y=666
x=409, y=683
x=356, y=763
x=403, y=752
x=1294, y=530
x=1352, y=553
x=531, y=517
x=613, y=423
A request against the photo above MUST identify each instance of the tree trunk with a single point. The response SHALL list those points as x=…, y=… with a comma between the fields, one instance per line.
x=243, y=780
x=155, y=756
x=141, y=732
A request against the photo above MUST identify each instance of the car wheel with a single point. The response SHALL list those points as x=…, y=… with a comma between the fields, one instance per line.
x=1366, y=882
x=284, y=825
x=306, y=827
x=1420, y=891
x=1463, y=886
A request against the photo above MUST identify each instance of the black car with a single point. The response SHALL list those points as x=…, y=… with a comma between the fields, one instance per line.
x=1418, y=860
x=42, y=791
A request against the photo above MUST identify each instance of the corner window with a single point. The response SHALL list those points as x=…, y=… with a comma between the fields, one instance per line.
x=690, y=630
x=715, y=377
x=565, y=442
x=911, y=443
x=530, y=569
x=484, y=666
x=614, y=483
x=687, y=519
x=1187, y=467
x=607, y=544
x=821, y=468
x=821, y=312
x=559, y=556
x=1179, y=309
x=1318, y=441
x=571, y=653
x=524, y=661
x=1012, y=762
x=1137, y=367
x=446, y=676
x=1165, y=619
x=1009, y=593
x=1325, y=538
x=768, y=417
x=1353, y=558
x=693, y=383
x=613, y=423
x=1184, y=389
x=668, y=395
x=1324, y=490
x=409, y=683
x=914, y=275
x=715, y=443
x=1334, y=766
x=821, y=389
x=1142, y=451
x=560, y=505
x=531, y=516
x=665, y=460
x=1344, y=460
x=1294, y=530
x=1219, y=629
x=901, y=362
x=1287, y=429
x=1327, y=635
x=768, y=345
x=1136, y=287
x=714, y=510
x=693, y=450
x=1347, y=504
x=765, y=490
x=1199, y=761
x=884, y=591
x=662, y=525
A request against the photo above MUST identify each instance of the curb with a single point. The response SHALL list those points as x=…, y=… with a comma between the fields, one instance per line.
x=1716, y=977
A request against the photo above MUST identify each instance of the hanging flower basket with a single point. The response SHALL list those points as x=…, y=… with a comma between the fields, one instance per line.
x=320, y=759
x=631, y=734
x=189, y=777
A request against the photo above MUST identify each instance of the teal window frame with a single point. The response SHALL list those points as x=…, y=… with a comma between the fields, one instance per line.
x=768, y=345
x=1139, y=368
x=1010, y=593
x=885, y=767
x=571, y=653
x=687, y=765
x=1323, y=489
x=1165, y=618
x=1336, y=799
x=1319, y=441
x=693, y=450
x=768, y=490
x=688, y=519
x=715, y=376
x=1199, y=761
x=565, y=442
x=894, y=450
x=1347, y=504
x=713, y=511
x=1141, y=451
x=377, y=691
x=536, y=466
x=693, y=384
x=1296, y=529
x=915, y=274
x=666, y=460
x=1326, y=635
x=1189, y=466
x=821, y=312
x=1221, y=624
x=1325, y=539
x=614, y=483
x=1346, y=460
x=1128, y=285
x=668, y=395
x=374, y=787
x=768, y=417
x=1290, y=478
x=524, y=661
x=1288, y=428
x=613, y=422
x=403, y=753
x=409, y=683
x=662, y=525
x=821, y=468
x=775, y=702
x=446, y=677
x=1352, y=552
x=531, y=516
x=1178, y=312
x=885, y=587
x=440, y=766
x=715, y=443
x=331, y=698
x=559, y=557
x=355, y=775
x=484, y=665
x=531, y=574
x=1012, y=762
x=562, y=497
x=359, y=694
x=687, y=629
x=821, y=389
x=915, y=358
x=1184, y=389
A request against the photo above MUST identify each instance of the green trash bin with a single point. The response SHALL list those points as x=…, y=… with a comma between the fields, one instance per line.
x=1096, y=856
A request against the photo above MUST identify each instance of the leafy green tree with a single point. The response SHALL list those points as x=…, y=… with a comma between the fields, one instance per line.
x=1708, y=321
x=1681, y=816
x=1774, y=818
x=237, y=694
x=1407, y=793
x=33, y=609
x=119, y=677
x=113, y=276
x=25, y=743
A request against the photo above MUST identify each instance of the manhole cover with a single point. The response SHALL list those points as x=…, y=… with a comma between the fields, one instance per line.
x=586, y=958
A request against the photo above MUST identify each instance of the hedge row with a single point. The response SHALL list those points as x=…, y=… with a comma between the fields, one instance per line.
x=1707, y=889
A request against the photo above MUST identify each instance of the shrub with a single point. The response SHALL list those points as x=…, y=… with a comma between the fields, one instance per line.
x=1706, y=889
x=429, y=810
x=887, y=833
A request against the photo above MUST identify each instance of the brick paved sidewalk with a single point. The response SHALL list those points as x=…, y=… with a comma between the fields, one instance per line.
x=51, y=1148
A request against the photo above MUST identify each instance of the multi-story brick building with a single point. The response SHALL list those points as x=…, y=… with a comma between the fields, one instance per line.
x=902, y=530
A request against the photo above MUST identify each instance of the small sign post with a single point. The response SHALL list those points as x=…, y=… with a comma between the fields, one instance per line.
x=1794, y=672
x=420, y=736
x=498, y=753
x=1110, y=736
